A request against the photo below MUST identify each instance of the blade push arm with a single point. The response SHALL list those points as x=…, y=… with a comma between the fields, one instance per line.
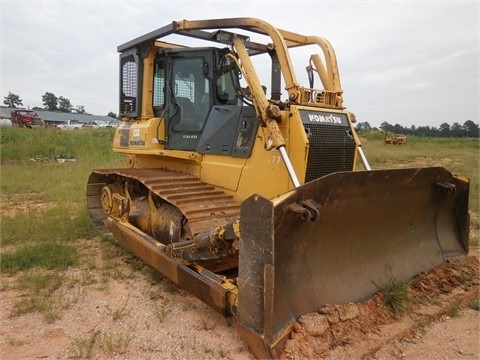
x=268, y=113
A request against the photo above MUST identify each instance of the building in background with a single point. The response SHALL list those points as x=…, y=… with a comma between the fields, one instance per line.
x=53, y=118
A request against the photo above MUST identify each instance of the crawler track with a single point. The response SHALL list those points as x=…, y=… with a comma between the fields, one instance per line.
x=203, y=206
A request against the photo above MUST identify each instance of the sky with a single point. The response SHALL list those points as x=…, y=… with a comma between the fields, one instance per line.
x=413, y=63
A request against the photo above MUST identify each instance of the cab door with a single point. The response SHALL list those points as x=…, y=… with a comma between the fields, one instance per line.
x=189, y=101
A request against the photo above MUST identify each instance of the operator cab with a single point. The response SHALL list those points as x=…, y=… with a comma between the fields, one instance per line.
x=198, y=95
x=199, y=99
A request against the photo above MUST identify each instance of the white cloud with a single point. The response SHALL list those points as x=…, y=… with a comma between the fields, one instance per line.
x=405, y=56
x=387, y=76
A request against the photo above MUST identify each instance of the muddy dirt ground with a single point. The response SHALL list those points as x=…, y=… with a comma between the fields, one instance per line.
x=438, y=320
x=112, y=307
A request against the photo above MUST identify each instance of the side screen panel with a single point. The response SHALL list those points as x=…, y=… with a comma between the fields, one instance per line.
x=130, y=82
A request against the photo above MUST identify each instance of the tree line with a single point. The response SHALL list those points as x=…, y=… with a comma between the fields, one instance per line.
x=50, y=103
x=468, y=130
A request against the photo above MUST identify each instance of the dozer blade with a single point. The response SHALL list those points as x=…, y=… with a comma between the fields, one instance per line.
x=340, y=239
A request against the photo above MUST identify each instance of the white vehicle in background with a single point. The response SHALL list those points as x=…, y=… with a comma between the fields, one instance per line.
x=98, y=124
x=5, y=122
x=70, y=125
x=113, y=123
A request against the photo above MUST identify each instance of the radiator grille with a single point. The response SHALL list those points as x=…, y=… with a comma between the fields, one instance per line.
x=332, y=148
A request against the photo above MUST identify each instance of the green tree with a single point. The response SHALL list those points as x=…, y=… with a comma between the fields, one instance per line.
x=456, y=130
x=425, y=131
x=64, y=105
x=470, y=129
x=112, y=114
x=398, y=129
x=385, y=126
x=363, y=126
x=50, y=101
x=80, y=109
x=12, y=100
x=444, y=130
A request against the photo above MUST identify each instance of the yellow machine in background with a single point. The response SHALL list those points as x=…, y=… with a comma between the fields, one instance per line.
x=251, y=201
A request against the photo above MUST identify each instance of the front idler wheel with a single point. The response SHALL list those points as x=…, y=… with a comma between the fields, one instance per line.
x=113, y=200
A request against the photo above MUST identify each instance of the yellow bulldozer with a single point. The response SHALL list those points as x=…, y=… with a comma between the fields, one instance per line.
x=396, y=139
x=251, y=190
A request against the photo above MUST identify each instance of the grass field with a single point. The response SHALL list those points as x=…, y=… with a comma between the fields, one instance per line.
x=42, y=199
x=459, y=156
x=43, y=205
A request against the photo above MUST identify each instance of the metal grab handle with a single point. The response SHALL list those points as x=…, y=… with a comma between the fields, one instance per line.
x=364, y=159
x=289, y=166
